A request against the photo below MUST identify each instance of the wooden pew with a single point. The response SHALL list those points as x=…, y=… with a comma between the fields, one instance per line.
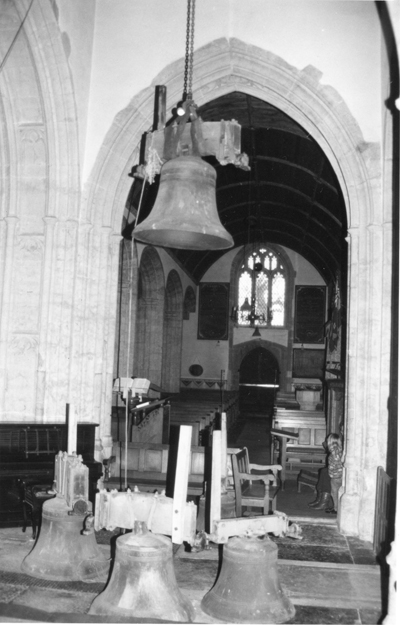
x=297, y=437
x=148, y=465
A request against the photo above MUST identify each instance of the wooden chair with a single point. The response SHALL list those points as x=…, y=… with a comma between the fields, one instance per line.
x=33, y=497
x=257, y=490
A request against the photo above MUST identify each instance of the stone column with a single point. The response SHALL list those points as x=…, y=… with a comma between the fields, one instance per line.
x=105, y=436
x=368, y=368
x=353, y=444
x=42, y=365
x=11, y=225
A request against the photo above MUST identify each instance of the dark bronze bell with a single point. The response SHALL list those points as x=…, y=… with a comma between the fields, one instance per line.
x=143, y=583
x=185, y=214
x=63, y=552
x=247, y=589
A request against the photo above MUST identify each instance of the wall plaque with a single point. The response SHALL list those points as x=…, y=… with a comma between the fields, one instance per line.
x=213, y=311
x=310, y=314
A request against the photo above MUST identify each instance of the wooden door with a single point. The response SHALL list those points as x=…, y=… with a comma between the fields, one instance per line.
x=258, y=367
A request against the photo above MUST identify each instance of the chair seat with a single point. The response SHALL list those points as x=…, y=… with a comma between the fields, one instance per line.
x=256, y=491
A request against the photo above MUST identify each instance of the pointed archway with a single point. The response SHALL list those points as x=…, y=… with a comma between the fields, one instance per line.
x=224, y=66
x=150, y=317
x=258, y=375
x=172, y=342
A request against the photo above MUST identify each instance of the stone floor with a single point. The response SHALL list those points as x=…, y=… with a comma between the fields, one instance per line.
x=329, y=578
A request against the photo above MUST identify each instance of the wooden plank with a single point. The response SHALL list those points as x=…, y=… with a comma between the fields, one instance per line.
x=215, y=498
x=164, y=464
x=181, y=483
x=382, y=503
x=224, y=445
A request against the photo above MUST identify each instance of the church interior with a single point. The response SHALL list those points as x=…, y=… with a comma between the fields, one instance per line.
x=199, y=284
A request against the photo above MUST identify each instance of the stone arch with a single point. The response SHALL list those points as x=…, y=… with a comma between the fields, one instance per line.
x=150, y=317
x=221, y=67
x=239, y=351
x=227, y=65
x=172, y=341
x=258, y=367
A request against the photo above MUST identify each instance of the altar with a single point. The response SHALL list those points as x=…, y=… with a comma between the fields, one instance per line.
x=308, y=392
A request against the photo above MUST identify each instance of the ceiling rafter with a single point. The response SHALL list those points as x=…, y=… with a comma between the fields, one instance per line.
x=291, y=190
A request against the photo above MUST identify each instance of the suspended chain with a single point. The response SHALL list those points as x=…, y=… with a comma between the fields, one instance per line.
x=188, y=75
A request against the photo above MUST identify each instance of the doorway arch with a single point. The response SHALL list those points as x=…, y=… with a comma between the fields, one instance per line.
x=227, y=65
x=259, y=366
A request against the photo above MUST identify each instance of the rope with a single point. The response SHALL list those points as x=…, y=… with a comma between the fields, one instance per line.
x=129, y=338
x=127, y=366
x=15, y=37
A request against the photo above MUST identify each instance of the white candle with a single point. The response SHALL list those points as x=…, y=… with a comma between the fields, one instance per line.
x=72, y=429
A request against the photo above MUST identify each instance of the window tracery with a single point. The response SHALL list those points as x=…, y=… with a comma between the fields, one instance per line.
x=262, y=283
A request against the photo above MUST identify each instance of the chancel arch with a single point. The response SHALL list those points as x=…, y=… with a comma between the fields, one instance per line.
x=228, y=65
x=172, y=334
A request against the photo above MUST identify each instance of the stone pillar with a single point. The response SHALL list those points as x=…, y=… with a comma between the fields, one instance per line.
x=108, y=361
x=50, y=223
x=368, y=367
x=11, y=225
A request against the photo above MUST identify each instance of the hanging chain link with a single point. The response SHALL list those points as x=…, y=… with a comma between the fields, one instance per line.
x=188, y=75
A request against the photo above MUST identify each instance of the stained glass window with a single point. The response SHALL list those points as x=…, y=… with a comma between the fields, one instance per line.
x=261, y=289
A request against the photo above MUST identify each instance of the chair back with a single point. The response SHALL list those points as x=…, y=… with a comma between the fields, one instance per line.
x=241, y=459
x=240, y=464
x=246, y=492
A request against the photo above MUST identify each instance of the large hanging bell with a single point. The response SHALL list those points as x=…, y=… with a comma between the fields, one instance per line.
x=247, y=589
x=63, y=552
x=143, y=583
x=185, y=214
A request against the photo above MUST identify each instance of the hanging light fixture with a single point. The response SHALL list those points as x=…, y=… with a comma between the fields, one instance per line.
x=185, y=214
x=248, y=309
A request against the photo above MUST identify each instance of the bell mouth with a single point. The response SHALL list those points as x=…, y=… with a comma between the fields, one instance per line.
x=181, y=240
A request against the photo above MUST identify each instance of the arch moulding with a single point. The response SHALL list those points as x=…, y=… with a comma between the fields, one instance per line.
x=221, y=67
x=228, y=65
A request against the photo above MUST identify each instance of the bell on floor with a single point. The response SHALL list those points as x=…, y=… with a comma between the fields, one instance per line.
x=247, y=589
x=143, y=583
x=63, y=552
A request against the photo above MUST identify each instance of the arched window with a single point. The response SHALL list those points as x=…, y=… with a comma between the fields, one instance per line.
x=261, y=289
